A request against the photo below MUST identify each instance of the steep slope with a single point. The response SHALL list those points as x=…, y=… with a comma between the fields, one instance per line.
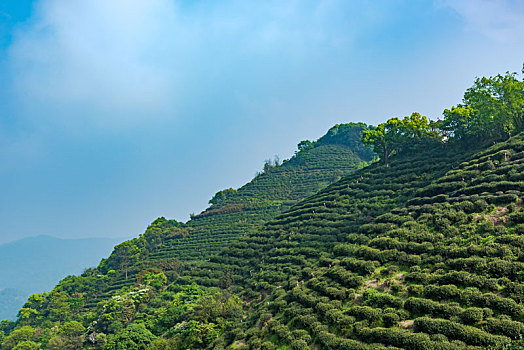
x=235, y=212
x=425, y=253
x=232, y=213
x=172, y=246
x=432, y=258
x=263, y=267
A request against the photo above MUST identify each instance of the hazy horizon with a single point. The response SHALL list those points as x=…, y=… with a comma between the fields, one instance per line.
x=114, y=113
x=27, y=238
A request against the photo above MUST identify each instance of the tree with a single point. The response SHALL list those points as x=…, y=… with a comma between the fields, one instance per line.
x=155, y=234
x=125, y=254
x=56, y=343
x=59, y=308
x=26, y=345
x=457, y=122
x=492, y=108
x=6, y=326
x=155, y=280
x=217, y=306
x=416, y=128
x=384, y=138
x=30, y=314
x=222, y=195
x=70, y=336
x=134, y=337
x=305, y=145
x=18, y=336
x=398, y=134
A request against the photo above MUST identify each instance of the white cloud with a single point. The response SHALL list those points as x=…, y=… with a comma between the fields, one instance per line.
x=114, y=62
x=501, y=20
x=91, y=58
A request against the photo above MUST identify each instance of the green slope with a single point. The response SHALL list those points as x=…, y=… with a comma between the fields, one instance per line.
x=432, y=258
x=167, y=242
x=423, y=250
x=270, y=193
x=234, y=213
x=424, y=254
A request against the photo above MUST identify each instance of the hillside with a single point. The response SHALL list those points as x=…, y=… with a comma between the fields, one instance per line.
x=50, y=260
x=420, y=250
x=235, y=212
x=173, y=246
x=424, y=253
x=426, y=266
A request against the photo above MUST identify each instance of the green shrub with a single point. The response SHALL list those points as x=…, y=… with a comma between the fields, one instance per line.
x=452, y=330
x=472, y=315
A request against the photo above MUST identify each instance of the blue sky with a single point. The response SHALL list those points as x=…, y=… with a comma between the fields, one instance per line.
x=115, y=112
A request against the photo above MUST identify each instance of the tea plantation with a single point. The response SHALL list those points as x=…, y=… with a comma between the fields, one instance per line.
x=423, y=249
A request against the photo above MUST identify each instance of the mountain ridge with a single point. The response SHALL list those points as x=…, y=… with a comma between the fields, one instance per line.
x=419, y=250
x=340, y=269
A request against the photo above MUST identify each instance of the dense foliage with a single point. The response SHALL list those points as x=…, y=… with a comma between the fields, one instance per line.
x=492, y=109
x=396, y=135
x=422, y=251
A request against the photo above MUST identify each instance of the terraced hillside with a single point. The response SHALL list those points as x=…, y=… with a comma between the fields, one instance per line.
x=425, y=254
x=259, y=201
x=233, y=213
x=422, y=250
x=172, y=246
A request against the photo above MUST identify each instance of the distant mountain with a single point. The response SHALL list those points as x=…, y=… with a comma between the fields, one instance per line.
x=10, y=302
x=35, y=264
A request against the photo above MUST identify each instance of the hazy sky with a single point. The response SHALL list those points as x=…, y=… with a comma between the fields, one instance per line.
x=115, y=112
